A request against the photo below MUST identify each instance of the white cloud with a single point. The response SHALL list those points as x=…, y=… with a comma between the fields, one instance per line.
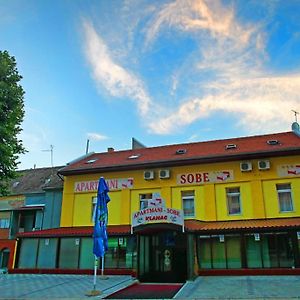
x=199, y=15
x=230, y=52
x=107, y=73
x=258, y=104
x=96, y=136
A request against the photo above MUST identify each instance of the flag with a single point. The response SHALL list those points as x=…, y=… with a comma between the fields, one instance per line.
x=100, y=221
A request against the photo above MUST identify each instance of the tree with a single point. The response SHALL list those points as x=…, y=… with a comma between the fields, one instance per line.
x=11, y=117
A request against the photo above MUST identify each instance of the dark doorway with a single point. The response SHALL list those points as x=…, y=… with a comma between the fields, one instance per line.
x=162, y=257
x=4, y=258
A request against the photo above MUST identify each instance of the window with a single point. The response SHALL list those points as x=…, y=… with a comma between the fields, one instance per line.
x=94, y=202
x=4, y=223
x=188, y=203
x=233, y=201
x=144, y=199
x=285, y=197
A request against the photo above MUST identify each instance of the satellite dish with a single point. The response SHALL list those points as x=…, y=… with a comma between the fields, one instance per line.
x=295, y=127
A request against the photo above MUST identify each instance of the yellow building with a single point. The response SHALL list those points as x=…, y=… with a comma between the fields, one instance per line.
x=223, y=206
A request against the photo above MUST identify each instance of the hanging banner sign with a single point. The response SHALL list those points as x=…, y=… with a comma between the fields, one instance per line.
x=205, y=177
x=113, y=184
x=288, y=170
x=157, y=215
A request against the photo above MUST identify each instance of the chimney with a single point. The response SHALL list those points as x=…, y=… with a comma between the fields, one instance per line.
x=110, y=149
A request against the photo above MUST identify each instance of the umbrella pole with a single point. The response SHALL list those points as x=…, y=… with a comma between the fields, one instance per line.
x=102, y=269
x=94, y=292
x=95, y=271
x=102, y=266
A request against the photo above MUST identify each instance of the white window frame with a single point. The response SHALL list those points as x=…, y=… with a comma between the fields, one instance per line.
x=144, y=199
x=229, y=196
x=188, y=196
x=280, y=192
x=94, y=203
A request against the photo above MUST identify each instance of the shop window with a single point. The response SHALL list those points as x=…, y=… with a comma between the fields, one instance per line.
x=144, y=200
x=233, y=201
x=253, y=251
x=28, y=253
x=69, y=253
x=218, y=252
x=188, y=203
x=47, y=251
x=121, y=253
x=86, y=258
x=285, y=197
x=278, y=250
x=233, y=251
x=204, y=252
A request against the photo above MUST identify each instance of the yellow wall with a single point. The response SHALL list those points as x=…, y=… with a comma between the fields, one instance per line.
x=257, y=188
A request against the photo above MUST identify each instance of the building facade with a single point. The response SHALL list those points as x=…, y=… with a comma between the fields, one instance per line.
x=34, y=203
x=217, y=207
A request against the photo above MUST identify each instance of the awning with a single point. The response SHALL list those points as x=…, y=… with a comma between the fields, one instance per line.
x=242, y=225
x=30, y=207
x=75, y=231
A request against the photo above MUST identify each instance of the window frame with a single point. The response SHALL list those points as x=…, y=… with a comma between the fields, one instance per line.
x=285, y=191
x=229, y=196
x=144, y=198
x=185, y=197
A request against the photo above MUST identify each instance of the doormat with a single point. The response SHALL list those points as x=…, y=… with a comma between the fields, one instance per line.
x=147, y=291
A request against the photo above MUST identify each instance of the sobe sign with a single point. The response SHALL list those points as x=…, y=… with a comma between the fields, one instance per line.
x=205, y=177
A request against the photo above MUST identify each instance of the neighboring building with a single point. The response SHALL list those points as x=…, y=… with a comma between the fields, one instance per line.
x=223, y=206
x=34, y=203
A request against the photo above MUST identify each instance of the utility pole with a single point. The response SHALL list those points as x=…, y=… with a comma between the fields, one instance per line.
x=296, y=113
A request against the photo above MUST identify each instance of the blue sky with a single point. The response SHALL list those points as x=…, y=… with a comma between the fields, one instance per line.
x=163, y=72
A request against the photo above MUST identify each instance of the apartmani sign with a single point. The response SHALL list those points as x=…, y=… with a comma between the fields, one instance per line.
x=156, y=212
x=113, y=184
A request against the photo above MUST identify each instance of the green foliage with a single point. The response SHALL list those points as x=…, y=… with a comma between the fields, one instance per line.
x=11, y=117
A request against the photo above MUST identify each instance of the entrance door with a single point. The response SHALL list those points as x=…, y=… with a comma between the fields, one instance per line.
x=162, y=257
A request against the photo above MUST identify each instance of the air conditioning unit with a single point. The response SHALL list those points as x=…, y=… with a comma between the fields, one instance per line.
x=164, y=174
x=263, y=164
x=246, y=166
x=148, y=175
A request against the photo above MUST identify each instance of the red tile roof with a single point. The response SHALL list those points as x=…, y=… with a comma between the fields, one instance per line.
x=200, y=226
x=201, y=152
x=75, y=231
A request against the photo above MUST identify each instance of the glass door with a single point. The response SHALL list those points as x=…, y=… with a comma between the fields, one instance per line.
x=162, y=257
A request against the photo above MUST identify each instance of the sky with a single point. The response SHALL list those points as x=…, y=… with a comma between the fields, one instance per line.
x=164, y=72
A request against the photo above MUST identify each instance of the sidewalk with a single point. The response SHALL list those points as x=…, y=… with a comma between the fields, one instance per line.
x=52, y=286
x=241, y=287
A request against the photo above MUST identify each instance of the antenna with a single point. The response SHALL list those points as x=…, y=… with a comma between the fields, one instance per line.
x=50, y=150
x=296, y=113
x=87, y=146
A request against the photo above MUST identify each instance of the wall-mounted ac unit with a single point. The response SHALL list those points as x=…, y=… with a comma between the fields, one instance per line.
x=164, y=174
x=263, y=164
x=246, y=166
x=148, y=175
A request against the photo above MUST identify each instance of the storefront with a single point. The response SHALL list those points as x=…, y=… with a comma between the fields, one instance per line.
x=218, y=207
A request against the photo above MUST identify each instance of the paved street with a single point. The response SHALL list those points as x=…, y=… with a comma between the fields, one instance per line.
x=28, y=286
